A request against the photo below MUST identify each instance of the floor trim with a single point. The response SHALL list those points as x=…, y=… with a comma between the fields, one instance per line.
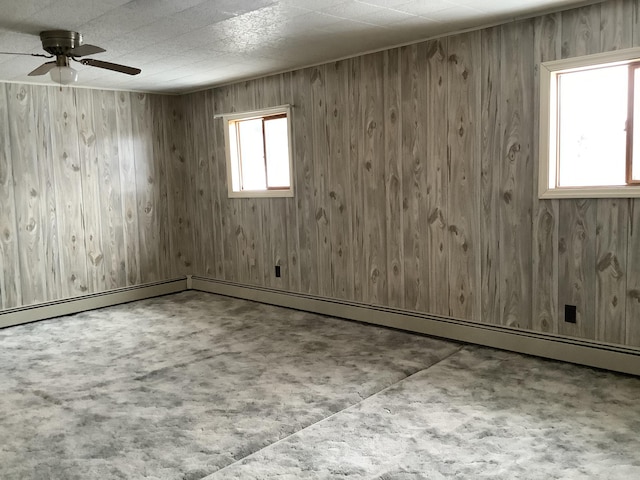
x=69, y=306
x=567, y=349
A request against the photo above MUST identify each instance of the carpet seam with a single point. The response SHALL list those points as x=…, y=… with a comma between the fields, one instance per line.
x=458, y=350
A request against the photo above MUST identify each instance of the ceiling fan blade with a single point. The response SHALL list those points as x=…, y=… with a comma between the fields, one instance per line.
x=27, y=54
x=111, y=66
x=83, y=50
x=42, y=69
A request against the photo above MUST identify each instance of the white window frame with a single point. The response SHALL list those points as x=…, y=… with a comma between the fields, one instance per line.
x=548, y=161
x=266, y=112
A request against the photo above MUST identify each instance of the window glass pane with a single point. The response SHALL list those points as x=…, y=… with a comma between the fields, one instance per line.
x=592, y=107
x=277, y=146
x=233, y=156
x=252, y=154
x=635, y=170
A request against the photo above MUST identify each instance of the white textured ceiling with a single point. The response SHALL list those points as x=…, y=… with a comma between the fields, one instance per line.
x=185, y=45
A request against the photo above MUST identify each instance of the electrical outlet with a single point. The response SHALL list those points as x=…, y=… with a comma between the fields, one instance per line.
x=278, y=271
x=570, y=313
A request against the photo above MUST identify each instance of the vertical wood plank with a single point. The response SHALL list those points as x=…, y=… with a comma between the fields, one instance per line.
x=464, y=76
x=218, y=187
x=517, y=186
x=147, y=187
x=47, y=181
x=88, y=159
x=434, y=248
x=547, y=44
x=181, y=237
x=632, y=298
x=28, y=193
x=490, y=173
x=10, y=282
x=128, y=187
x=577, y=218
x=199, y=191
x=616, y=25
x=371, y=157
x=291, y=204
x=413, y=99
x=112, y=220
x=320, y=149
x=305, y=199
x=68, y=179
x=339, y=179
x=223, y=99
x=393, y=178
x=161, y=192
x=611, y=279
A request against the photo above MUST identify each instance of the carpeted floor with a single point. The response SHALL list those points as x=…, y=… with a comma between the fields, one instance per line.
x=194, y=386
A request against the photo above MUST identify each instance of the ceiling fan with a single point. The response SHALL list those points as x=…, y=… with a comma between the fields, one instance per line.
x=64, y=46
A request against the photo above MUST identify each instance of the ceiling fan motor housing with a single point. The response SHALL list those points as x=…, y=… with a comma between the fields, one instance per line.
x=60, y=42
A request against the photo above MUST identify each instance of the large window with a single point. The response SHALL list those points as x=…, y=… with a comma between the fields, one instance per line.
x=588, y=134
x=259, y=153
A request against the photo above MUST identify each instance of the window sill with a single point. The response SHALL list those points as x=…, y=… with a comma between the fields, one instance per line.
x=262, y=194
x=591, y=192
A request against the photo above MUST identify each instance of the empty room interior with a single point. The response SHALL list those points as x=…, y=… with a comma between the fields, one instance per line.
x=329, y=239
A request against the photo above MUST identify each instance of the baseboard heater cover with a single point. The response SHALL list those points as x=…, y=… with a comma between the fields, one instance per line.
x=69, y=306
x=567, y=349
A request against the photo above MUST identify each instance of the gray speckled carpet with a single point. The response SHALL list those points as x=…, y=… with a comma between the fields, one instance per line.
x=194, y=386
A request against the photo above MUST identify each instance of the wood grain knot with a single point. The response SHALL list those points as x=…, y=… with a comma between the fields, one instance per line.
x=31, y=226
x=513, y=151
x=610, y=261
x=371, y=127
x=321, y=215
x=375, y=273
x=368, y=166
x=562, y=246
x=465, y=73
x=435, y=215
x=635, y=295
x=507, y=196
x=461, y=129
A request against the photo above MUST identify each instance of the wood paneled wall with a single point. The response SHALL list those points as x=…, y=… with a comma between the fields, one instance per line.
x=91, y=192
x=415, y=178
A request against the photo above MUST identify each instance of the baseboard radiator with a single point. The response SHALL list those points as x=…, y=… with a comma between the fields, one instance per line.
x=584, y=352
x=69, y=306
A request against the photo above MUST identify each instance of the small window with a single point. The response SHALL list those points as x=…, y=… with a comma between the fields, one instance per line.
x=587, y=130
x=258, y=148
